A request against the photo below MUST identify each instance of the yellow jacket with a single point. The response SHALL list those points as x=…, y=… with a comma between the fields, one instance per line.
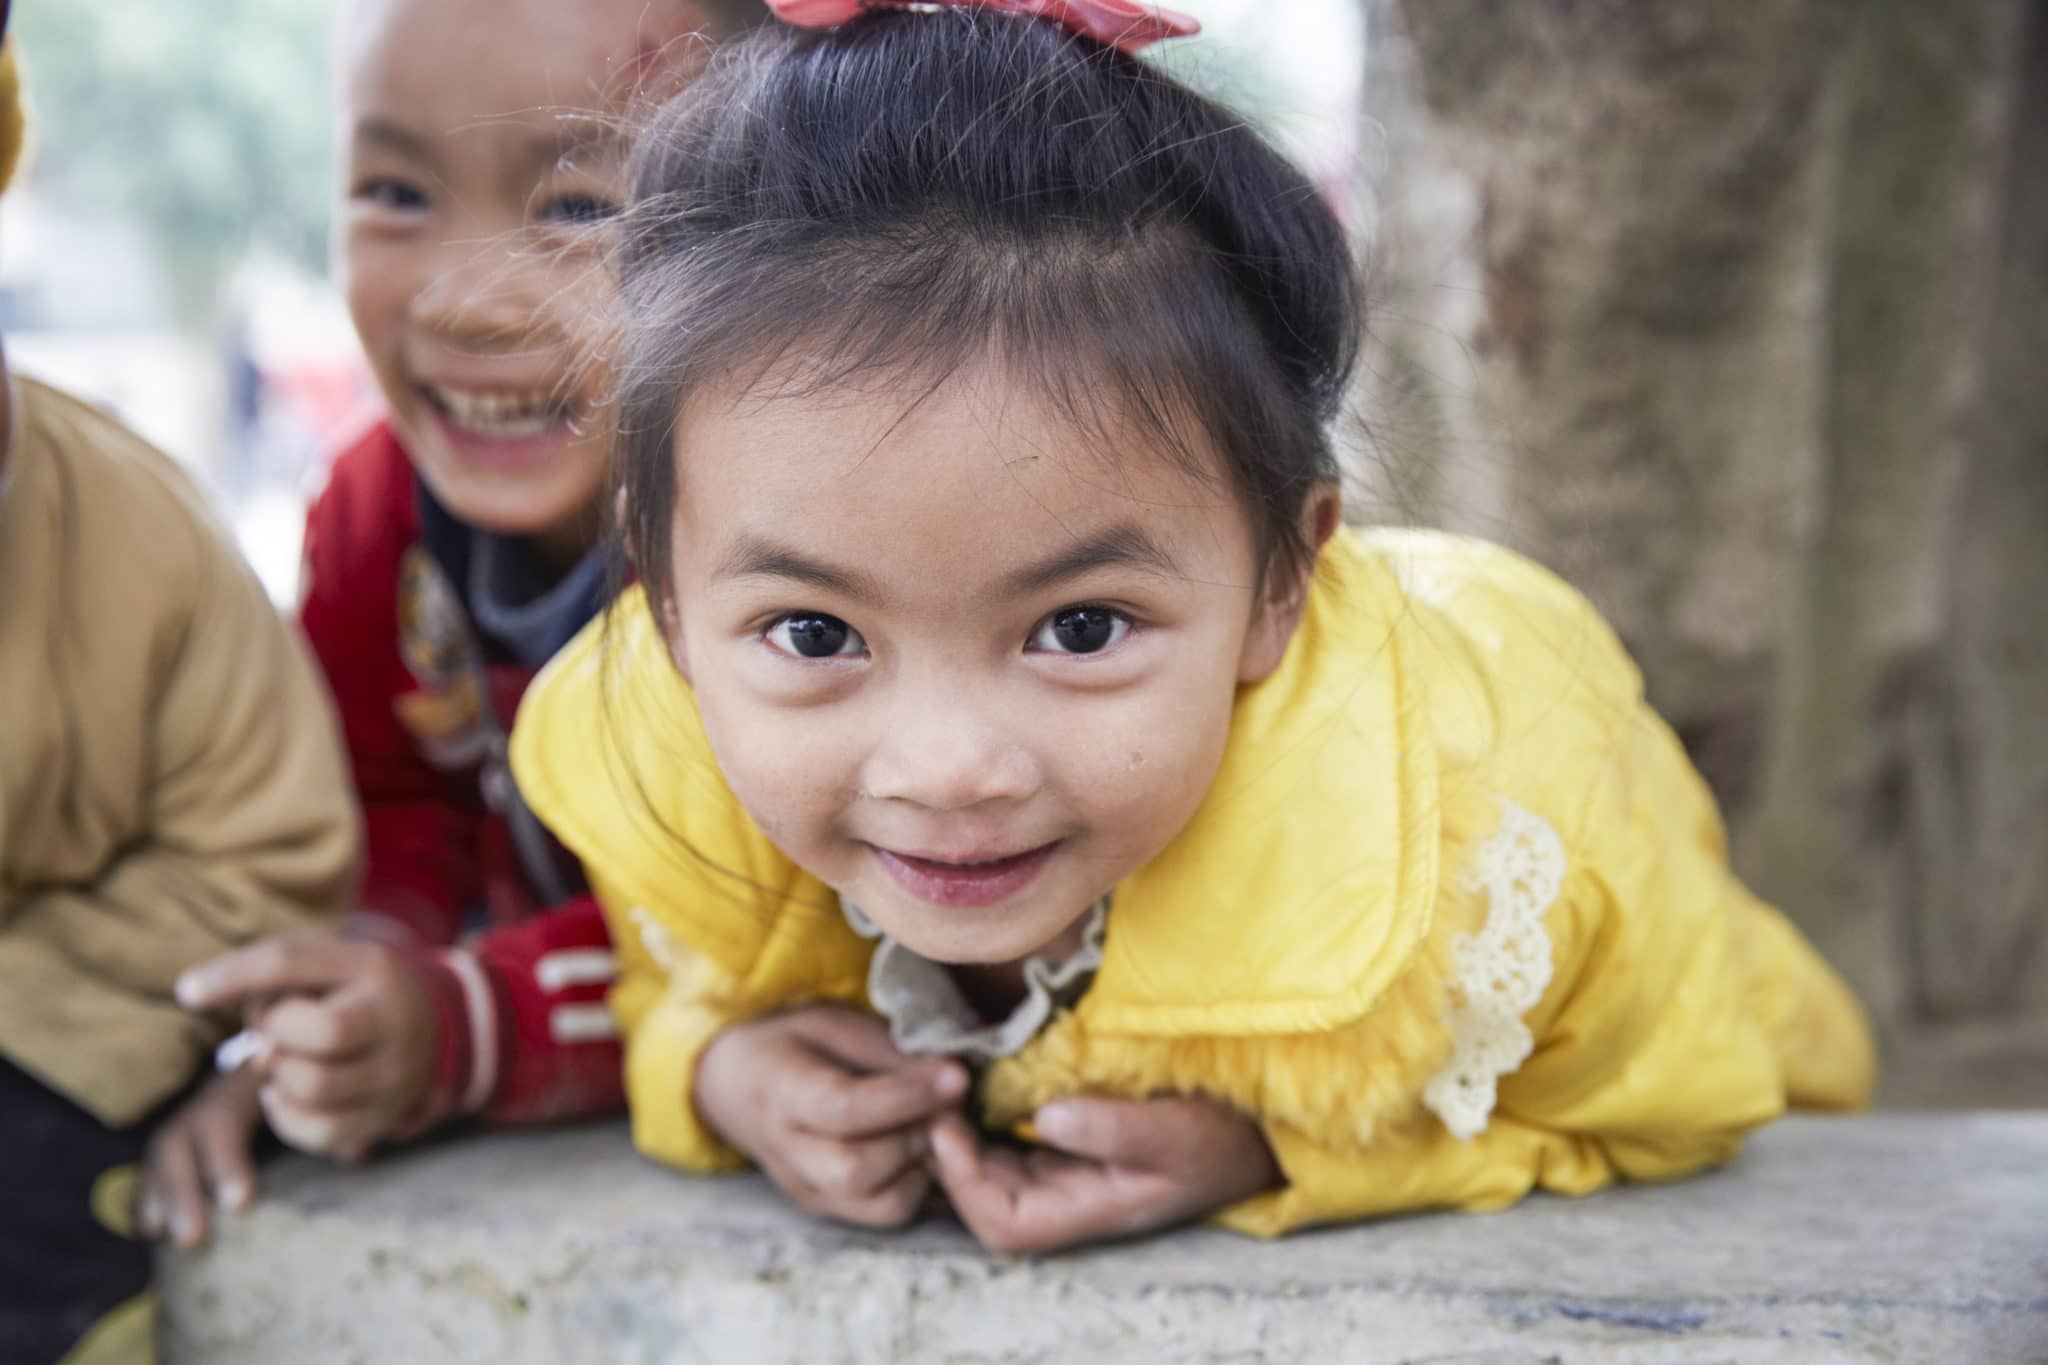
x=1454, y=921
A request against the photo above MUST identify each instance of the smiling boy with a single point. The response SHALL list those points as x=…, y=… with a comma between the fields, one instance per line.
x=454, y=549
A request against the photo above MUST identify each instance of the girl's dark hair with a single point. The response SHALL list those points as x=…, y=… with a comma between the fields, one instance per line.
x=914, y=191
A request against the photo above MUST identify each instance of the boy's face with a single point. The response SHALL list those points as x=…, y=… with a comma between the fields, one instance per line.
x=479, y=148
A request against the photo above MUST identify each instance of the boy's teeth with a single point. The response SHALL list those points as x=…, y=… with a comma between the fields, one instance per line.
x=502, y=416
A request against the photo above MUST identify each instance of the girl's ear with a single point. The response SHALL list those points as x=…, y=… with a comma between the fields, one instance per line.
x=672, y=631
x=1265, y=644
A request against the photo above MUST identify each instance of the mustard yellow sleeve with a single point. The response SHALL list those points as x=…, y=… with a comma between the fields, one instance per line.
x=670, y=1003
x=1421, y=1167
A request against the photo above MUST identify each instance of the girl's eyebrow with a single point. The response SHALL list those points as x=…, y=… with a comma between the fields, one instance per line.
x=1125, y=545
x=573, y=139
x=753, y=557
x=381, y=132
x=1121, y=546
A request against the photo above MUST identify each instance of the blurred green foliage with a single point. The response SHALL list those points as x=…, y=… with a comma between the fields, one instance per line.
x=204, y=120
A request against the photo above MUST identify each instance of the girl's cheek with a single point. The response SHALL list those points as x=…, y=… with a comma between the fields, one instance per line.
x=1152, y=764
x=787, y=767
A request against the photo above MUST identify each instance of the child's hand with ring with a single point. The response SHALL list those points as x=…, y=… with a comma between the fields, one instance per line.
x=822, y=1101
x=347, y=1036
x=1110, y=1169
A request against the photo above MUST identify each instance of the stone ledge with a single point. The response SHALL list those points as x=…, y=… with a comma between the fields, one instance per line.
x=1893, y=1238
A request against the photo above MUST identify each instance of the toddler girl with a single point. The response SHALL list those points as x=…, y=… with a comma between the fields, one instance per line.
x=1005, y=728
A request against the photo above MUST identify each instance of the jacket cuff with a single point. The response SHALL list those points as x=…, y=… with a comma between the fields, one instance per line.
x=661, y=1070
x=1412, y=1170
x=465, y=1014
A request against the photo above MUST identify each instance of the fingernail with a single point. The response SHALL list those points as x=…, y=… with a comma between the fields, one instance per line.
x=246, y=1046
x=149, y=1216
x=188, y=989
x=950, y=1083
x=181, y=1229
x=1057, y=1123
x=233, y=1195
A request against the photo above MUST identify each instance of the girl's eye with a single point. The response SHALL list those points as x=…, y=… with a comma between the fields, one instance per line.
x=396, y=195
x=579, y=210
x=1080, y=630
x=810, y=635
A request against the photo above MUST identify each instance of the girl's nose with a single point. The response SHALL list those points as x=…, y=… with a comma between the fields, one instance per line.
x=482, y=297
x=948, y=758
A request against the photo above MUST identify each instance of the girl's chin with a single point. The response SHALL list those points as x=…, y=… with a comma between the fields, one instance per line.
x=535, y=500
x=968, y=938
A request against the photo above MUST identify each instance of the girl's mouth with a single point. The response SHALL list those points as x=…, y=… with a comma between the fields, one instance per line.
x=965, y=884
x=503, y=425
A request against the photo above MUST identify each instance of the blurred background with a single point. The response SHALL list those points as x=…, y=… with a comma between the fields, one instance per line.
x=166, y=252
x=1733, y=314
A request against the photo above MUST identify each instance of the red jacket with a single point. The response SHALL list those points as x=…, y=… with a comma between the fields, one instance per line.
x=426, y=700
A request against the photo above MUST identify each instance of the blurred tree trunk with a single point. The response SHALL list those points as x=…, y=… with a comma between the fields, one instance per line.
x=1647, y=190
x=1981, y=764
x=1732, y=315
x=1863, y=660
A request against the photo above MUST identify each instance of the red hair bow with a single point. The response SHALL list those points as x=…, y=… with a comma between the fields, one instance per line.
x=1114, y=23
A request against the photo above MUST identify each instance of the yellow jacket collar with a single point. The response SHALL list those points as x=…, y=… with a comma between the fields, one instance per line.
x=1301, y=888
x=1304, y=883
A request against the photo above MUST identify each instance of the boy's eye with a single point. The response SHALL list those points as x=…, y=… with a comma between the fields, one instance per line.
x=811, y=635
x=397, y=195
x=1080, y=630
x=579, y=209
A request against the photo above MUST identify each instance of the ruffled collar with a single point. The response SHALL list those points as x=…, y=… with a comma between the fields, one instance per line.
x=927, y=1013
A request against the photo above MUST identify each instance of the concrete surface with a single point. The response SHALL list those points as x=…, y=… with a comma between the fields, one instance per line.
x=1895, y=1238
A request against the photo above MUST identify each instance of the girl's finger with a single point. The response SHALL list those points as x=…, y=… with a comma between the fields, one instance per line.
x=330, y=1028
x=327, y=1085
x=988, y=1210
x=897, y=1204
x=226, y=1159
x=858, y=1041
x=174, y=1167
x=290, y=962
x=1146, y=1135
x=855, y=1171
x=979, y=1195
x=329, y=1132
x=1018, y=1207
x=149, y=1209
x=830, y=1102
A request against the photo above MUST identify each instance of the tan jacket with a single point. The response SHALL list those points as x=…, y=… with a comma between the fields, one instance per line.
x=171, y=779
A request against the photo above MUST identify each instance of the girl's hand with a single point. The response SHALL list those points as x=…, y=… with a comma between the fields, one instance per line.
x=200, y=1158
x=348, y=1036
x=1112, y=1168
x=821, y=1100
